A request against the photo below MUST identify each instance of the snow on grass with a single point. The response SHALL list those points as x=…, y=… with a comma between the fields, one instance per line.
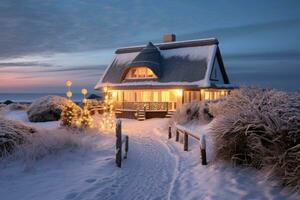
x=22, y=116
x=156, y=168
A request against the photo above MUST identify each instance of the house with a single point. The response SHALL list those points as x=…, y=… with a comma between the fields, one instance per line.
x=155, y=79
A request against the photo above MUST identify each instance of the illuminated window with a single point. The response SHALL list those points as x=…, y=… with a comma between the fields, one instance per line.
x=146, y=96
x=129, y=96
x=206, y=95
x=140, y=73
x=155, y=96
x=165, y=96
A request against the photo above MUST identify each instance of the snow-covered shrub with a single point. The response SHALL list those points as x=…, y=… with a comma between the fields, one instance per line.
x=2, y=105
x=2, y=108
x=194, y=111
x=17, y=106
x=46, y=142
x=47, y=108
x=260, y=128
x=12, y=134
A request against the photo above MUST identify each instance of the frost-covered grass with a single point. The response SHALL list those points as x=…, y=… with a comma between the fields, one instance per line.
x=46, y=142
x=12, y=135
x=156, y=167
x=25, y=141
x=194, y=111
x=260, y=128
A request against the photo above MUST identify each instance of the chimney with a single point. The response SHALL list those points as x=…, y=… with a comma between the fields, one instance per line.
x=169, y=37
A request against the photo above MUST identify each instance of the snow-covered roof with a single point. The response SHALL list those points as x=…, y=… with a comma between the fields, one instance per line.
x=186, y=63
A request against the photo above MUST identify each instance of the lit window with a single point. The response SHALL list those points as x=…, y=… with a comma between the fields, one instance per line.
x=206, y=95
x=140, y=73
x=155, y=96
x=146, y=96
x=165, y=96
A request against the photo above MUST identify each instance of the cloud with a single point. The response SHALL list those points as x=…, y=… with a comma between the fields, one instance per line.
x=23, y=64
x=227, y=32
x=272, y=55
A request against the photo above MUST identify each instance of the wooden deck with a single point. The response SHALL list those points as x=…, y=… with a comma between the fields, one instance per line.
x=144, y=110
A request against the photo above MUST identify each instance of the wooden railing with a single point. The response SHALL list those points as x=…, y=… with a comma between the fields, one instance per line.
x=186, y=133
x=120, y=140
x=150, y=106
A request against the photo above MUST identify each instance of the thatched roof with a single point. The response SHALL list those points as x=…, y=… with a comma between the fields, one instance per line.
x=185, y=63
x=149, y=57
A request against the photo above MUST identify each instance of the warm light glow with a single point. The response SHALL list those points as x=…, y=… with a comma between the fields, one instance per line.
x=140, y=73
x=114, y=94
x=69, y=94
x=179, y=92
x=84, y=91
x=105, y=89
x=68, y=83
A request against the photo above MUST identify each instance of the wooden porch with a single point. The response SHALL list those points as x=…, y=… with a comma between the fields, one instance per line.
x=144, y=110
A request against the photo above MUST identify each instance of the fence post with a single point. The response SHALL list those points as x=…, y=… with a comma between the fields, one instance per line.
x=177, y=136
x=126, y=146
x=185, y=142
x=170, y=132
x=119, y=143
x=203, y=149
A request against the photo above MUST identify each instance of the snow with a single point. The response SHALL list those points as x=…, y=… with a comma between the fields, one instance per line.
x=156, y=168
x=175, y=42
x=201, y=83
x=22, y=116
x=193, y=53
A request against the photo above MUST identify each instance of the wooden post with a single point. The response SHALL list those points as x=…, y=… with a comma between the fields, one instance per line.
x=170, y=132
x=203, y=150
x=185, y=142
x=177, y=136
x=126, y=146
x=119, y=143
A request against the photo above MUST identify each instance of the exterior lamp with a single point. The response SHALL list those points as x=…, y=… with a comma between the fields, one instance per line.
x=68, y=83
x=69, y=94
x=84, y=92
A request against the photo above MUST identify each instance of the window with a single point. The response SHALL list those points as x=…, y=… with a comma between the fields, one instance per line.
x=155, y=96
x=165, y=96
x=140, y=73
x=146, y=96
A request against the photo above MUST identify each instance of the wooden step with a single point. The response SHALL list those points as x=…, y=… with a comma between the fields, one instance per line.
x=141, y=116
x=169, y=114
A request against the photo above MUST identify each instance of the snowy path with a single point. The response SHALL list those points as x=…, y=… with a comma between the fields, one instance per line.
x=146, y=174
x=156, y=168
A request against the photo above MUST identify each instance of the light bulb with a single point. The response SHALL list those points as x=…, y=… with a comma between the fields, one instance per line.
x=68, y=83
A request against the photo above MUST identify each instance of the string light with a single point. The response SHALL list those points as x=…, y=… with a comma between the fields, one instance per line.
x=69, y=114
x=86, y=120
x=107, y=121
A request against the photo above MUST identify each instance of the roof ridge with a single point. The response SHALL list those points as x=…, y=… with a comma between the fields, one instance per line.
x=171, y=45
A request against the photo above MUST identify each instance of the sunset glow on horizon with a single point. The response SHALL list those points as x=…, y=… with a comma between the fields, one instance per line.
x=72, y=41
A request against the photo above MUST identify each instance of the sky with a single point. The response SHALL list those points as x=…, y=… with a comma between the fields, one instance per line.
x=44, y=43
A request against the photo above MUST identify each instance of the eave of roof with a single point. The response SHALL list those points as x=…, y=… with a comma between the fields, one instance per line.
x=156, y=85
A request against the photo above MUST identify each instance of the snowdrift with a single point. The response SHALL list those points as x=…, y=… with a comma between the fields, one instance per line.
x=260, y=128
x=47, y=108
x=12, y=134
